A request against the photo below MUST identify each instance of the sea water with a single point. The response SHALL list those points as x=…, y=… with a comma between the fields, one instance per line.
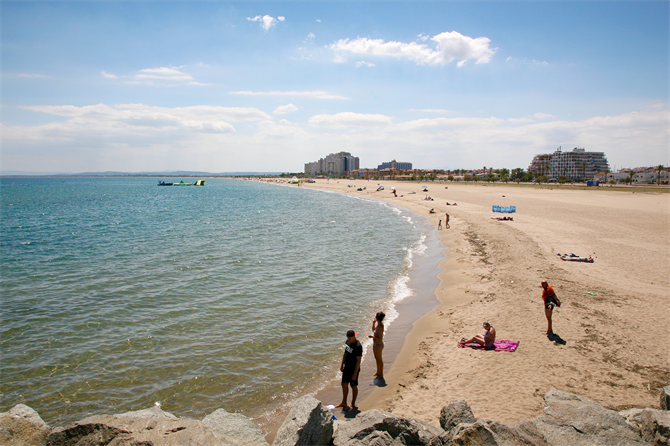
x=118, y=294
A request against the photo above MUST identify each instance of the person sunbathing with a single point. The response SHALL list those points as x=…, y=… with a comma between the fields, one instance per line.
x=486, y=340
x=574, y=258
x=503, y=218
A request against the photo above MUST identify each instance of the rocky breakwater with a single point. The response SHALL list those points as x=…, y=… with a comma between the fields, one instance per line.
x=568, y=419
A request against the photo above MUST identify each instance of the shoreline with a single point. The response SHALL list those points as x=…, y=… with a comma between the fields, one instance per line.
x=492, y=271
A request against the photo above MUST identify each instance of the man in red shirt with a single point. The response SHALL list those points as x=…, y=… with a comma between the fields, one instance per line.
x=550, y=301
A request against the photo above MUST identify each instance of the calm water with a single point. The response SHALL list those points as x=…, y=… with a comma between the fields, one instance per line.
x=117, y=294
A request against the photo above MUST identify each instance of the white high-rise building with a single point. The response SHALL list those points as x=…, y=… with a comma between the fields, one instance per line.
x=333, y=164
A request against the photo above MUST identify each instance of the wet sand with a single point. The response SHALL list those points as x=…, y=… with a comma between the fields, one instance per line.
x=611, y=346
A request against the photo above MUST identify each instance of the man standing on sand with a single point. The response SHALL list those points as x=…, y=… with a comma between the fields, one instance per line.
x=550, y=301
x=446, y=223
x=351, y=365
x=439, y=224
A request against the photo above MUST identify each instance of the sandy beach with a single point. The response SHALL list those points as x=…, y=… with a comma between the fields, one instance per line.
x=612, y=341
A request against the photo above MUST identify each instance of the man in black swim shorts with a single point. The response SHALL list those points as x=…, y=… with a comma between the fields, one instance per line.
x=350, y=367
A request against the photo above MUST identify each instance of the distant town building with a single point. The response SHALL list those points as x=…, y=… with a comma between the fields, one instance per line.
x=395, y=165
x=333, y=164
x=577, y=164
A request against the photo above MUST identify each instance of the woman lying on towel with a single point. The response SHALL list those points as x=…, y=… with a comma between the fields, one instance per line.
x=503, y=218
x=574, y=258
x=486, y=340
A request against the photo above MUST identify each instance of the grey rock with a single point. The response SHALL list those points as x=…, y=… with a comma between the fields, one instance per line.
x=655, y=426
x=576, y=420
x=154, y=412
x=140, y=428
x=665, y=398
x=455, y=413
x=22, y=426
x=27, y=413
x=308, y=423
x=234, y=429
x=522, y=433
x=633, y=418
x=473, y=434
x=405, y=431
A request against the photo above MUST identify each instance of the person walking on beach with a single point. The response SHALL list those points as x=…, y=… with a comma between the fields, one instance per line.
x=378, y=342
x=550, y=301
x=439, y=225
x=446, y=223
x=350, y=367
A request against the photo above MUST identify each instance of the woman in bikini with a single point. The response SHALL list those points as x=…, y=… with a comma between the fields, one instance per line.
x=378, y=342
x=486, y=340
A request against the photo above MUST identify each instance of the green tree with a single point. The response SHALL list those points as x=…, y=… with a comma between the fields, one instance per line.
x=562, y=179
x=659, y=168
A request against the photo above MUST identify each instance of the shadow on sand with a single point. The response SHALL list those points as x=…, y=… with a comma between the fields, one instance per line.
x=556, y=338
x=379, y=382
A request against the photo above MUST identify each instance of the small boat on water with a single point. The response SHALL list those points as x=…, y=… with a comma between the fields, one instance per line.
x=182, y=183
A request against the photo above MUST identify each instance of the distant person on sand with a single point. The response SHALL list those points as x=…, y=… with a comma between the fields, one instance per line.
x=446, y=223
x=432, y=211
x=439, y=225
x=550, y=301
x=486, y=340
x=350, y=367
x=378, y=342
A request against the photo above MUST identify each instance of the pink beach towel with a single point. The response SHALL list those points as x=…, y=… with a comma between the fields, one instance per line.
x=498, y=346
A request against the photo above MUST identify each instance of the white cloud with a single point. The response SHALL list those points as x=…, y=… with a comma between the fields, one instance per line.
x=142, y=137
x=33, y=76
x=139, y=121
x=349, y=119
x=285, y=109
x=450, y=46
x=534, y=117
x=266, y=21
x=362, y=63
x=314, y=94
x=430, y=110
x=164, y=74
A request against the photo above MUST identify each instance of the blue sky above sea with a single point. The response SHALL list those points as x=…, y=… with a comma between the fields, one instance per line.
x=267, y=86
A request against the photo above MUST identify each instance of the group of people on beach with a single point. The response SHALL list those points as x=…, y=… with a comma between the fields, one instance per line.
x=351, y=360
x=487, y=340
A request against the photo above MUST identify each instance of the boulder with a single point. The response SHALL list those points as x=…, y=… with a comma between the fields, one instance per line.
x=473, y=434
x=22, y=426
x=665, y=398
x=523, y=433
x=140, y=428
x=655, y=426
x=633, y=418
x=234, y=429
x=373, y=423
x=577, y=420
x=308, y=423
x=455, y=413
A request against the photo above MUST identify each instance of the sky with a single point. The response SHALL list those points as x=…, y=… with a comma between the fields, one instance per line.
x=137, y=86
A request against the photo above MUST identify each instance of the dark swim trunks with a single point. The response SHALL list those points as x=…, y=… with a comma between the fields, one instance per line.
x=348, y=375
x=549, y=305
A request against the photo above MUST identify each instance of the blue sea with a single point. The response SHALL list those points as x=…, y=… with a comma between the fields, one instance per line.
x=118, y=294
